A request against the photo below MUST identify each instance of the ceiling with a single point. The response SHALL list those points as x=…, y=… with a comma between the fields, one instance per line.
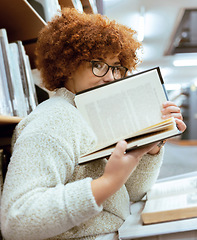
x=161, y=20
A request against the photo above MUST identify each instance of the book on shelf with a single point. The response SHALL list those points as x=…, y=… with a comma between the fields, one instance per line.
x=27, y=79
x=6, y=60
x=129, y=109
x=5, y=103
x=20, y=99
x=171, y=200
x=16, y=81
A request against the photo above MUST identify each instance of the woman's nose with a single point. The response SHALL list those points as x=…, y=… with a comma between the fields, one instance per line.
x=109, y=76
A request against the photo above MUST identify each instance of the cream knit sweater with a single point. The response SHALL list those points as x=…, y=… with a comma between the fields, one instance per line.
x=47, y=195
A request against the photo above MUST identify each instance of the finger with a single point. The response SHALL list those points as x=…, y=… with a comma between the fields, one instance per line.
x=181, y=125
x=175, y=115
x=171, y=109
x=120, y=149
x=168, y=103
x=142, y=150
x=150, y=146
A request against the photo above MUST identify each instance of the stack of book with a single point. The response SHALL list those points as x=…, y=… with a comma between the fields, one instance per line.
x=17, y=89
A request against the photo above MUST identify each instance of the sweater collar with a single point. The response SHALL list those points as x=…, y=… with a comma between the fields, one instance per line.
x=65, y=93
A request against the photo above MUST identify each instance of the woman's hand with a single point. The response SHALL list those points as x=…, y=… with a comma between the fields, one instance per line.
x=117, y=170
x=169, y=110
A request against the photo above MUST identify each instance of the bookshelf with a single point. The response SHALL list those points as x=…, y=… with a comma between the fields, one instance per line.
x=89, y=6
x=7, y=125
x=66, y=3
x=7, y=120
x=23, y=23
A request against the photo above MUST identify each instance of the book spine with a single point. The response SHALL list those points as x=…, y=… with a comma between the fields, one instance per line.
x=17, y=87
x=5, y=50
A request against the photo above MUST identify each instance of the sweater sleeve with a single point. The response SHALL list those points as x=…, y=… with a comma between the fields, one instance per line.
x=144, y=176
x=38, y=202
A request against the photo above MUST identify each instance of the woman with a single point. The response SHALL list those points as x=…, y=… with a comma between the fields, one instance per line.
x=47, y=195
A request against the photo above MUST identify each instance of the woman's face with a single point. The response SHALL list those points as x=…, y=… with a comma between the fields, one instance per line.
x=83, y=78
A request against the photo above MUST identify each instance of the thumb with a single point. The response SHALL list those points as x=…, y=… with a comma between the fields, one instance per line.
x=181, y=125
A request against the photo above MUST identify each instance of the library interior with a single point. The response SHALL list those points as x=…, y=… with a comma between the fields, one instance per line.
x=168, y=33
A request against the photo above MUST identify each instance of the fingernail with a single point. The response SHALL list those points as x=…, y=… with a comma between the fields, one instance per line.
x=164, y=104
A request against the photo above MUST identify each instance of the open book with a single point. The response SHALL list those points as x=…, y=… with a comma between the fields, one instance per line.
x=128, y=109
x=133, y=227
x=172, y=200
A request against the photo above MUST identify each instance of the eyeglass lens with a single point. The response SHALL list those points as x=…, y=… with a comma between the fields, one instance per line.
x=100, y=69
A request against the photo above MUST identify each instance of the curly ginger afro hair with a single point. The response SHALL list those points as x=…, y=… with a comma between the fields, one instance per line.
x=73, y=37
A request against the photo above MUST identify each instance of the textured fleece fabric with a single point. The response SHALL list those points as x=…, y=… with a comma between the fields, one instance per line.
x=47, y=195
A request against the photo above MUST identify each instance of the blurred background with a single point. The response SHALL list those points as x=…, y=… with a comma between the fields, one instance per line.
x=168, y=31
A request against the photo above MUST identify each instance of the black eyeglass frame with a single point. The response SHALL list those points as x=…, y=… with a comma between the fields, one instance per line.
x=109, y=66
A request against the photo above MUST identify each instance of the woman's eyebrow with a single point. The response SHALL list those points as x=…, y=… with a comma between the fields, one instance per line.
x=117, y=63
x=103, y=60
x=99, y=59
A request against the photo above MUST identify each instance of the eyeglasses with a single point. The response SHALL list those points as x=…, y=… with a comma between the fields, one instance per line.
x=100, y=69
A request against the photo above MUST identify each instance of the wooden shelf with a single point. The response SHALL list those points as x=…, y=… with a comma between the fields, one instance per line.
x=183, y=142
x=21, y=22
x=7, y=126
x=89, y=6
x=5, y=120
x=66, y=3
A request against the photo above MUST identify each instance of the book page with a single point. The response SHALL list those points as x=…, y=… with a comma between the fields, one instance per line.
x=169, y=203
x=164, y=125
x=173, y=187
x=131, y=144
x=124, y=107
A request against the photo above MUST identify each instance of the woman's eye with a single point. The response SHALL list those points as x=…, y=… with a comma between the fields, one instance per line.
x=98, y=65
